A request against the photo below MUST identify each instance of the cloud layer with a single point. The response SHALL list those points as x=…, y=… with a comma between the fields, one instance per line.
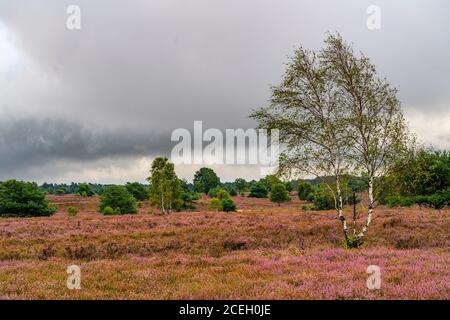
x=73, y=103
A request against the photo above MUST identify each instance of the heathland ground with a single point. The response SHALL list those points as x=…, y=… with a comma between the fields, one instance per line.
x=260, y=252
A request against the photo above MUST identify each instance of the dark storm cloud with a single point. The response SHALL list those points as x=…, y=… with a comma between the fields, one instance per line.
x=140, y=69
x=30, y=142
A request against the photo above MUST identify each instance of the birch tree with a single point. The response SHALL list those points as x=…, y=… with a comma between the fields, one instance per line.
x=165, y=187
x=306, y=110
x=376, y=126
x=337, y=116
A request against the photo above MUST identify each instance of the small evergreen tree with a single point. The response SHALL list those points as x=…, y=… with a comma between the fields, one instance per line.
x=304, y=190
x=241, y=185
x=84, y=190
x=119, y=199
x=138, y=190
x=258, y=190
x=227, y=205
x=23, y=199
x=205, y=179
x=279, y=193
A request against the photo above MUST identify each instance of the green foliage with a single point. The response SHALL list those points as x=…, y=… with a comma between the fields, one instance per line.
x=138, y=190
x=356, y=184
x=304, y=190
x=269, y=181
x=425, y=174
x=227, y=205
x=399, y=201
x=241, y=185
x=222, y=195
x=436, y=200
x=72, y=211
x=289, y=186
x=258, y=190
x=119, y=199
x=108, y=211
x=205, y=179
x=195, y=196
x=85, y=190
x=322, y=198
x=61, y=191
x=222, y=202
x=352, y=242
x=62, y=188
x=213, y=192
x=165, y=187
x=279, y=193
x=232, y=191
x=23, y=199
x=214, y=204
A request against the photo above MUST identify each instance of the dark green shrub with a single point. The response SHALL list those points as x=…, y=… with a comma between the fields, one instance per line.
x=322, y=199
x=304, y=191
x=138, y=190
x=258, y=190
x=289, y=186
x=84, y=190
x=119, y=199
x=399, y=201
x=279, y=193
x=241, y=185
x=222, y=195
x=227, y=205
x=437, y=201
x=23, y=199
x=213, y=192
x=352, y=242
x=187, y=200
x=232, y=191
x=205, y=179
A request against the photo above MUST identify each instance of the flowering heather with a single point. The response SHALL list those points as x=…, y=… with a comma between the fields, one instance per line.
x=261, y=252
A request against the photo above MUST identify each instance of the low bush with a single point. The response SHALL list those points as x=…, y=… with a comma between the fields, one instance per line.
x=258, y=190
x=139, y=191
x=119, y=199
x=399, y=201
x=227, y=205
x=222, y=202
x=212, y=193
x=85, y=190
x=437, y=200
x=72, y=211
x=304, y=189
x=279, y=193
x=322, y=199
x=23, y=199
x=214, y=204
x=108, y=211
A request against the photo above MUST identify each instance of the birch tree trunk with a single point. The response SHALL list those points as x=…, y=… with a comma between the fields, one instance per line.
x=369, y=210
x=340, y=208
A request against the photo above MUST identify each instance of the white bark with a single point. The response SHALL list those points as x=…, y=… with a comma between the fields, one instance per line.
x=370, y=209
x=340, y=208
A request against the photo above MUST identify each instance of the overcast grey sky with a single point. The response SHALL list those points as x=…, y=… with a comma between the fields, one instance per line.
x=97, y=104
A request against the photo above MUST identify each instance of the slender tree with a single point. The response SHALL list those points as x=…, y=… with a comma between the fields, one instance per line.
x=306, y=110
x=165, y=187
x=376, y=130
x=279, y=193
x=337, y=116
